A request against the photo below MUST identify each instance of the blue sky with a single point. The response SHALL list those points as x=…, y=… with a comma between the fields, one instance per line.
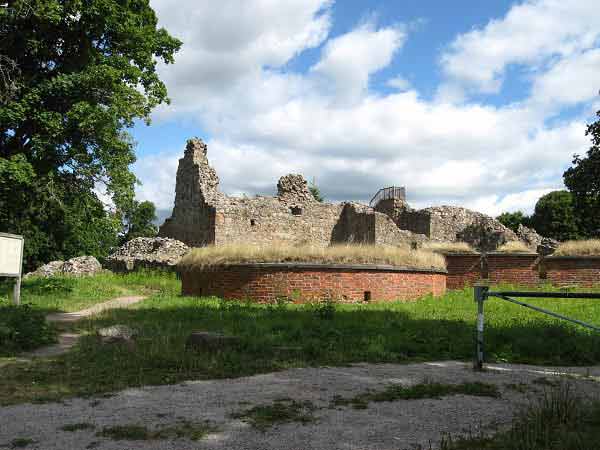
x=479, y=104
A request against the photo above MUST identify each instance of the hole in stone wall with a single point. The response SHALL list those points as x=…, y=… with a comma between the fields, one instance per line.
x=252, y=222
x=296, y=211
x=367, y=297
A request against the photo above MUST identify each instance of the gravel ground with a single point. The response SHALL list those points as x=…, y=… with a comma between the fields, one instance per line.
x=386, y=425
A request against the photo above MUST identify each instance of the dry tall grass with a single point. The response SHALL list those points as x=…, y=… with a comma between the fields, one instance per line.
x=449, y=247
x=590, y=247
x=514, y=247
x=336, y=254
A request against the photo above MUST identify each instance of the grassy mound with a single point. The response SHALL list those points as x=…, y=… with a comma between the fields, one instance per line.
x=338, y=254
x=590, y=247
x=449, y=247
x=514, y=247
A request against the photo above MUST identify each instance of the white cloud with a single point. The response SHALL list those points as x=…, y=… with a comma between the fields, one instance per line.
x=265, y=121
x=570, y=81
x=348, y=60
x=530, y=33
x=399, y=82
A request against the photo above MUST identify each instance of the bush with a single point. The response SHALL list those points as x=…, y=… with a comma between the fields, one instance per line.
x=23, y=328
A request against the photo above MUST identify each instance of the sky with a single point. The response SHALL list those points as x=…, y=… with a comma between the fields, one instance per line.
x=469, y=103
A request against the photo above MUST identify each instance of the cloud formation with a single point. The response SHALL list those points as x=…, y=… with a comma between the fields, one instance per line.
x=266, y=120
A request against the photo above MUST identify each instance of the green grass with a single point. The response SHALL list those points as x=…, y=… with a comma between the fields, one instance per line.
x=184, y=429
x=70, y=294
x=275, y=337
x=78, y=427
x=558, y=421
x=21, y=442
x=280, y=411
x=397, y=392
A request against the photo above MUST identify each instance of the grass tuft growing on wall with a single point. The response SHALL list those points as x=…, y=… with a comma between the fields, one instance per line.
x=514, y=247
x=336, y=254
x=590, y=247
x=449, y=247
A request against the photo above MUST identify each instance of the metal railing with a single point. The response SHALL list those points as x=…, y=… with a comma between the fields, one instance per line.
x=388, y=193
x=482, y=293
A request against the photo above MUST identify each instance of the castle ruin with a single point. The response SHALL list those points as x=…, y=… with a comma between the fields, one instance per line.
x=203, y=215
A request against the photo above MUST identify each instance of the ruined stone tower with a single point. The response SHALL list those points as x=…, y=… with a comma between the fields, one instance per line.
x=202, y=215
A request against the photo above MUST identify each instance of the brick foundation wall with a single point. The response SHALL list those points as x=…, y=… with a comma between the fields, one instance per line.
x=301, y=283
x=464, y=269
x=569, y=270
x=520, y=269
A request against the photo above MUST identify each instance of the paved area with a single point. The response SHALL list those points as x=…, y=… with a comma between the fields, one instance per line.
x=385, y=425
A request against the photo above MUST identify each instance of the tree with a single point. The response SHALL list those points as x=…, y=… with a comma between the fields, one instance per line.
x=583, y=181
x=138, y=221
x=512, y=220
x=555, y=217
x=81, y=72
x=316, y=192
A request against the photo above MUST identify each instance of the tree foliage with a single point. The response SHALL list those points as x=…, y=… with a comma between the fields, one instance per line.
x=583, y=181
x=316, y=192
x=139, y=221
x=555, y=216
x=512, y=220
x=84, y=70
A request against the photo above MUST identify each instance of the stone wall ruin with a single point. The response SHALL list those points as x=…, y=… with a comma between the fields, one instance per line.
x=203, y=215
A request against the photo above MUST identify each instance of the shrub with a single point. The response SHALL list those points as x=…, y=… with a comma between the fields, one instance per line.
x=23, y=328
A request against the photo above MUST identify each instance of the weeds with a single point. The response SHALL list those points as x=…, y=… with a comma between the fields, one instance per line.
x=428, y=389
x=184, y=429
x=280, y=411
x=78, y=427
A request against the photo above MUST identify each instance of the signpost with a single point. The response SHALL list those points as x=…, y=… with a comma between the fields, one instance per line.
x=11, y=261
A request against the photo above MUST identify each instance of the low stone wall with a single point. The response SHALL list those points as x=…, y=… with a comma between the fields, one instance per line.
x=572, y=270
x=513, y=268
x=307, y=282
x=464, y=269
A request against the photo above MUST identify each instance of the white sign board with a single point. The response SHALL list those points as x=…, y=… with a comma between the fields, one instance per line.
x=11, y=255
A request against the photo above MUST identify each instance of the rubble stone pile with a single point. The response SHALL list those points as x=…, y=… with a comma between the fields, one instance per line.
x=149, y=253
x=80, y=266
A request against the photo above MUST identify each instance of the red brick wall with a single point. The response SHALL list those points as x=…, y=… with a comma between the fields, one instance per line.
x=519, y=269
x=566, y=270
x=266, y=283
x=463, y=270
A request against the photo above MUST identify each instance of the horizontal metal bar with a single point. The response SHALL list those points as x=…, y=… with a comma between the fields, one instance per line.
x=547, y=294
x=545, y=311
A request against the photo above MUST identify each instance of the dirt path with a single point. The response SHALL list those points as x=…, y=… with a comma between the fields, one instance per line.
x=66, y=341
x=385, y=425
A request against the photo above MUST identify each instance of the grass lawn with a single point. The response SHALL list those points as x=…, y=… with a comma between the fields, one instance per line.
x=70, y=294
x=274, y=337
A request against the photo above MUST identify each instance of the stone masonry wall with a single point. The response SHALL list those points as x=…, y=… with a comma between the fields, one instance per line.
x=202, y=215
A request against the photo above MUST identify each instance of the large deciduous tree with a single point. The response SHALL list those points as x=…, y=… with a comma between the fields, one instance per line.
x=555, y=216
x=583, y=180
x=75, y=76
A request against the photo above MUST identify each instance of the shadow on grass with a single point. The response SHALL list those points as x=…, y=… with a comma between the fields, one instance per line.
x=274, y=338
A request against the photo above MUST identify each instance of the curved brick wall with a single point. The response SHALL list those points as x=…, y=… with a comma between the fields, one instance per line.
x=464, y=269
x=513, y=268
x=571, y=270
x=306, y=282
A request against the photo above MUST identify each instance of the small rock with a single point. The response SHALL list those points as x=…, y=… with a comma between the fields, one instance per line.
x=210, y=341
x=116, y=333
x=547, y=246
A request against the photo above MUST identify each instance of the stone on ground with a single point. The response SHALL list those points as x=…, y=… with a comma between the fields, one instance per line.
x=116, y=334
x=80, y=266
x=149, y=253
x=210, y=341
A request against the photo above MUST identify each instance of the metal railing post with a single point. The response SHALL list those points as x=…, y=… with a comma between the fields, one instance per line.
x=480, y=293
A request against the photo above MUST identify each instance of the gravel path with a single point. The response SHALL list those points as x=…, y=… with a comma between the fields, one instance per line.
x=66, y=341
x=386, y=425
